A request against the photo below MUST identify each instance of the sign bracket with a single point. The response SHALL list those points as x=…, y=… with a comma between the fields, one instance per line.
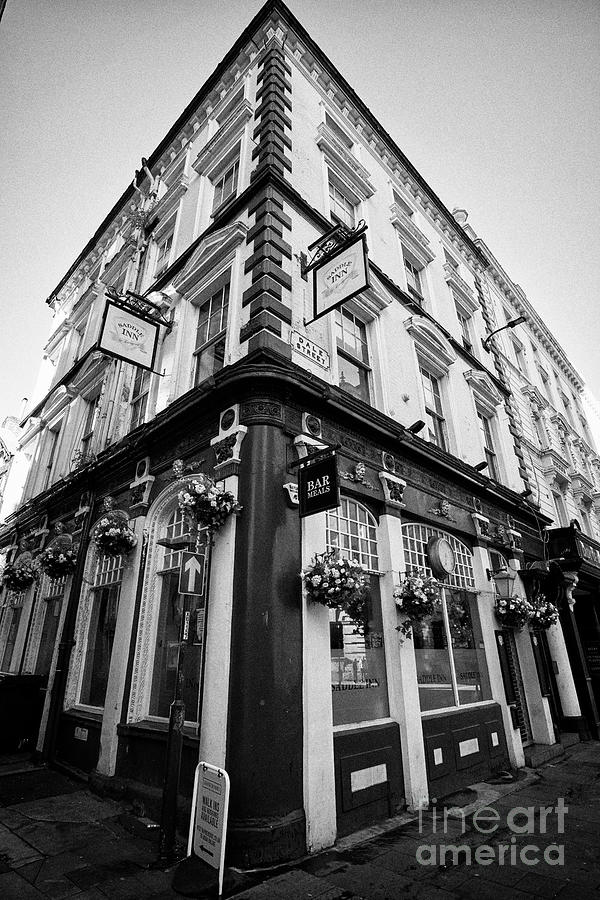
x=314, y=457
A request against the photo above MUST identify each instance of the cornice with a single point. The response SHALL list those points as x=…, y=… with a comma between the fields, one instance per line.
x=410, y=235
x=229, y=132
x=464, y=293
x=343, y=162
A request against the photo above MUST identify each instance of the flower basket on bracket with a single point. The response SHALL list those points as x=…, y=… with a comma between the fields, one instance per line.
x=514, y=612
x=56, y=563
x=339, y=583
x=545, y=613
x=19, y=576
x=417, y=598
x=114, y=537
x=207, y=504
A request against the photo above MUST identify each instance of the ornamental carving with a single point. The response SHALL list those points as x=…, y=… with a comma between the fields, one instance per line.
x=261, y=409
x=358, y=476
x=442, y=509
x=224, y=449
x=393, y=489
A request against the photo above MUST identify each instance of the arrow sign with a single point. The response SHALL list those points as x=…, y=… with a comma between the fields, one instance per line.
x=191, y=574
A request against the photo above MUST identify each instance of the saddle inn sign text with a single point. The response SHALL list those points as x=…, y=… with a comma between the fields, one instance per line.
x=128, y=336
x=341, y=277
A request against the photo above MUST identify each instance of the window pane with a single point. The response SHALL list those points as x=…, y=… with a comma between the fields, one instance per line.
x=358, y=676
x=100, y=640
x=433, y=664
x=467, y=647
x=11, y=638
x=173, y=607
x=210, y=360
x=48, y=639
x=353, y=379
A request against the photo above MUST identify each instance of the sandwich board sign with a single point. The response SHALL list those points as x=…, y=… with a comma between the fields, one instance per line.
x=341, y=277
x=208, y=827
x=129, y=336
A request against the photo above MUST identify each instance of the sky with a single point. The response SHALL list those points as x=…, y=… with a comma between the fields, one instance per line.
x=496, y=103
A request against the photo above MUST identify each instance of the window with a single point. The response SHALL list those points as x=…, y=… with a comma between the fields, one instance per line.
x=464, y=321
x=519, y=356
x=358, y=675
x=561, y=509
x=413, y=278
x=225, y=184
x=163, y=254
x=433, y=409
x=402, y=204
x=451, y=664
x=53, y=436
x=174, y=609
x=352, y=354
x=339, y=132
x=211, y=333
x=51, y=599
x=450, y=260
x=485, y=428
x=89, y=424
x=540, y=430
x=497, y=561
x=139, y=397
x=230, y=106
x=105, y=594
x=13, y=613
x=341, y=207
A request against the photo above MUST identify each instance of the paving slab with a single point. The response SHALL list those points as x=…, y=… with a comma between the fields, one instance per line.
x=13, y=887
x=15, y=851
x=52, y=838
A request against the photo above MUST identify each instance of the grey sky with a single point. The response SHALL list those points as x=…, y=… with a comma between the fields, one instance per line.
x=494, y=101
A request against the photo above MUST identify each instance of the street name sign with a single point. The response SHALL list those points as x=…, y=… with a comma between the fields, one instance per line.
x=192, y=573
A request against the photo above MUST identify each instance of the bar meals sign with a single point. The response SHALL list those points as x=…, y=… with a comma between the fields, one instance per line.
x=318, y=485
x=128, y=336
x=340, y=277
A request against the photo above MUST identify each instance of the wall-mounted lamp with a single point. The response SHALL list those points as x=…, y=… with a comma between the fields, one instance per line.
x=416, y=427
x=504, y=580
x=481, y=466
x=513, y=322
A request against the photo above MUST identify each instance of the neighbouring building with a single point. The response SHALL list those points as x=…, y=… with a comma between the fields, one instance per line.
x=322, y=729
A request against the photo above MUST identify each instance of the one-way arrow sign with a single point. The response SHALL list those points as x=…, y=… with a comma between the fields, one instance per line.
x=191, y=574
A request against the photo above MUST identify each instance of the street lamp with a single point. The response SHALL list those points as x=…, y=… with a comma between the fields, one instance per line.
x=513, y=322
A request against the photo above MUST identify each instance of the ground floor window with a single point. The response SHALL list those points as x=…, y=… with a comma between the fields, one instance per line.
x=53, y=590
x=101, y=630
x=14, y=619
x=449, y=649
x=358, y=672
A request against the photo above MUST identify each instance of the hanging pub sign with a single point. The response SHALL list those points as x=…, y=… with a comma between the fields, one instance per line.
x=129, y=336
x=341, y=277
x=318, y=485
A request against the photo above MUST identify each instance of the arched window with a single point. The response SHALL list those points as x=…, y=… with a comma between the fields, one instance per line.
x=358, y=674
x=449, y=647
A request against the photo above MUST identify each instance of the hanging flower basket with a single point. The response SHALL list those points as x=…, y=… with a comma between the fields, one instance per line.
x=514, y=612
x=210, y=506
x=417, y=598
x=113, y=537
x=57, y=563
x=19, y=576
x=339, y=583
x=545, y=613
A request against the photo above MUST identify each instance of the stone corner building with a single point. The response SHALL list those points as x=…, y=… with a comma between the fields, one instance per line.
x=322, y=730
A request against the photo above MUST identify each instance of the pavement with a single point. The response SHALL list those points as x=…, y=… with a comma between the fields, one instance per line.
x=536, y=836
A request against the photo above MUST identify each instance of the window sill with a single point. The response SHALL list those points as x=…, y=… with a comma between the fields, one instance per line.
x=92, y=713
x=431, y=713
x=218, y=210
x=156, y=729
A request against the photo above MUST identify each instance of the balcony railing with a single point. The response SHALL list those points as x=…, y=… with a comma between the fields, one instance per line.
x=570, y=543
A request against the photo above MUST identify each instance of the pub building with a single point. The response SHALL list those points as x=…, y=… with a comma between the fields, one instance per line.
x=223, y=242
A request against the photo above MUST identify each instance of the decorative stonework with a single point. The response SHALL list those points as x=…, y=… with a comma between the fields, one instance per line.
x=358, y=476
x=256, y=412
x=442, y=510
x=291, y=489
x=393, y=489
x=141, y=488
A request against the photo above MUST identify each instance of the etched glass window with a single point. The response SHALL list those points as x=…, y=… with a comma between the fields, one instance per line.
x=106, y=590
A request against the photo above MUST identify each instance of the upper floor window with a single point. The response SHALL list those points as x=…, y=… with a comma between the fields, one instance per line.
x=485, y=428
x=519, y=352
x=163, y=254
x=53, y=436
x=465, y=327
x=414, y=276
x=339, y=132
x=434, y=412
x=92, y=408
x=225, y=184
x=211, y=331
x=352, y=354
x=402, y=204
x=341, y=206
x=561, y=509
x=139, y=396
